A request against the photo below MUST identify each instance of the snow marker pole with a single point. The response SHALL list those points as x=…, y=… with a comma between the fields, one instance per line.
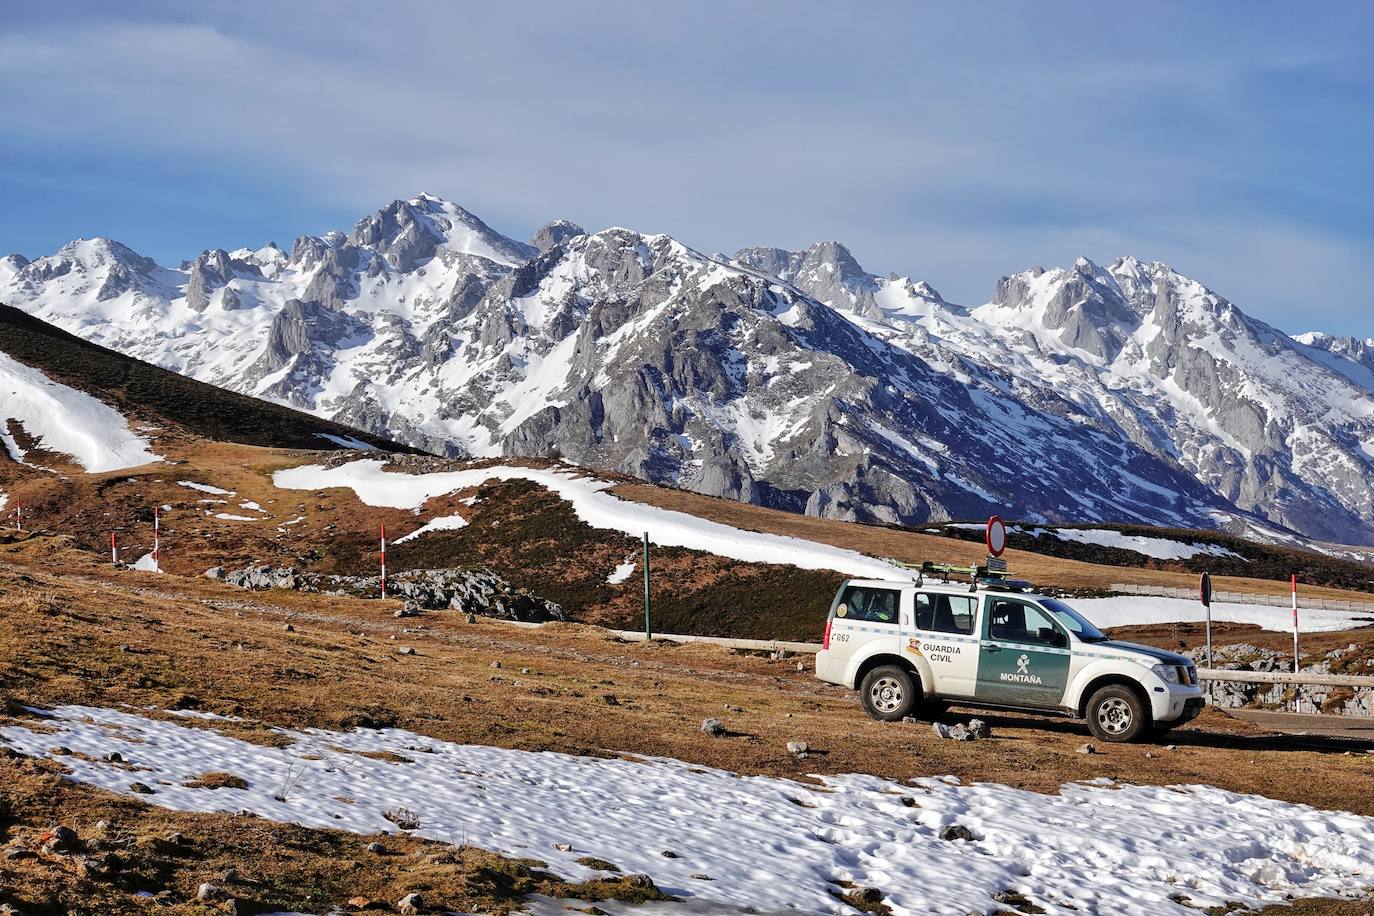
x=1295, y=623
x=114, y=549
x=648, y=624
x=157, y=539
x=1205, y=593
x=19, y=515
x=383, y=560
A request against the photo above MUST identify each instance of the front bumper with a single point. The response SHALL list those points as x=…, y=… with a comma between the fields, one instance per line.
x=1176, y=703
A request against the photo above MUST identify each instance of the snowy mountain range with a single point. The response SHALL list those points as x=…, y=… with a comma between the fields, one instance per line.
x=790, y=379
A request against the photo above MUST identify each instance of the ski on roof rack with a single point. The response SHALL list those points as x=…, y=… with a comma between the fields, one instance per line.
x=992, y=574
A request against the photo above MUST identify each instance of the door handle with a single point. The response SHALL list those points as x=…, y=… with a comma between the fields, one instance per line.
x=991, y=647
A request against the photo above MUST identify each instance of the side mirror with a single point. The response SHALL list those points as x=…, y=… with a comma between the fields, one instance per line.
x=1052, y=636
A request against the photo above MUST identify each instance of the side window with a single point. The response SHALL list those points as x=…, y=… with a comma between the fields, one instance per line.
x=945, y=613
x=873, y=605
x=1012, y=621
x=925, y=611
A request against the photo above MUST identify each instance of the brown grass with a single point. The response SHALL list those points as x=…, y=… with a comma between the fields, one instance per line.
x=105, y=638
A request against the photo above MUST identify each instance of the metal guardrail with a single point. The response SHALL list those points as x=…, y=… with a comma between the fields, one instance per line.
x=1325, y=604
x=1285, y=677
x=762, y=645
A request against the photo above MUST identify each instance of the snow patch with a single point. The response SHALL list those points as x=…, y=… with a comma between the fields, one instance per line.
x=442, y=523
x=1132, y=610
x=1090, y=849
x=376, y=486
x=67, y=421
x=204, y=488
x=348, y=442
x=146, y=563
x=621, y=573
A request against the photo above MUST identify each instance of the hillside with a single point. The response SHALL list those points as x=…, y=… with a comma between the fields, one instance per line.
x=172, y=736
x=1126, y=394
x=153, y=395
x=719, y=567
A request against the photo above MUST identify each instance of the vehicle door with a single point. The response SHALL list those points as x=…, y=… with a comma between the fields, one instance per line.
x=862, y=613
x=1024, y=654
x=945, y=633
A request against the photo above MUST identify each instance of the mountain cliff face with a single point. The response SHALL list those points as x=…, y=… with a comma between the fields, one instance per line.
x=791, y=379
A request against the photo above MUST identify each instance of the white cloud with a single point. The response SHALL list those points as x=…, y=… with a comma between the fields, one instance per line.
x=952, y=145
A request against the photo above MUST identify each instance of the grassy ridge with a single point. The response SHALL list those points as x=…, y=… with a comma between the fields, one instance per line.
x=152, y=393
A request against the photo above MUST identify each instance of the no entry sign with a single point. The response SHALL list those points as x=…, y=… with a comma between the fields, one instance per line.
x=997, y=536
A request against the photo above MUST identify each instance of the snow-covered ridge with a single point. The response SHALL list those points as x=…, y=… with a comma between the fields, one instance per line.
x=1122, y=393
x=1091, y=849
x=66, y=421
x=1146, y=545
x=376, y=486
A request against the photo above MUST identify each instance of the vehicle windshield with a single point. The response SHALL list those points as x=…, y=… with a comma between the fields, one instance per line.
x=1075, y=621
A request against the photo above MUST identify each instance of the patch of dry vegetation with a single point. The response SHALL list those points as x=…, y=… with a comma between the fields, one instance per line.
x=122, y=848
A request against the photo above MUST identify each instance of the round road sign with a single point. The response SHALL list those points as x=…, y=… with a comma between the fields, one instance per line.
x=997, y=536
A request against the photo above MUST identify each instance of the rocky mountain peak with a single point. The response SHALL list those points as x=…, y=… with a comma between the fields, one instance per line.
x=791, y=378
x=554, y=233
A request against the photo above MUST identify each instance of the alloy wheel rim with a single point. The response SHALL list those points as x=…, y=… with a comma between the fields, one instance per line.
x=886, y=694
x=1114, y=715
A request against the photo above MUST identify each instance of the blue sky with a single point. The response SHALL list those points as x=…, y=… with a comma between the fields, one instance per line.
x=951, y=142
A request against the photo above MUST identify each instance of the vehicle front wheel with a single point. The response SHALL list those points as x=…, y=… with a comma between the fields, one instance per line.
x=889, y=693
x=1115, y=713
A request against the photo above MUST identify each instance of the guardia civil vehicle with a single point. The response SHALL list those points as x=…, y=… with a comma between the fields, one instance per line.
x=991, y=641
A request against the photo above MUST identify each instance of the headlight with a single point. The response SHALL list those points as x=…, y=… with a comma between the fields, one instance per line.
x=1167, y=673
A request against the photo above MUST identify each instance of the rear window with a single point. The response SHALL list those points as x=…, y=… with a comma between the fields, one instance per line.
x=940, y=613
x=874, y=605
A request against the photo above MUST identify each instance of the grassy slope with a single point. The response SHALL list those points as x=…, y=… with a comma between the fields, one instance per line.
x=516, y=528
x=105, y=637
x=151, y=393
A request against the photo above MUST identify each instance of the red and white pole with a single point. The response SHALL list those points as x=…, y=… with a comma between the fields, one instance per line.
x=114, y=548
x=1295, y=623
x=19, y=514
x=157, y=539
x=383, y=560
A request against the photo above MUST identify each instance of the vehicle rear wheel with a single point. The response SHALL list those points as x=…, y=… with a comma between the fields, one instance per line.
x=888, y=693
x=1116, y=714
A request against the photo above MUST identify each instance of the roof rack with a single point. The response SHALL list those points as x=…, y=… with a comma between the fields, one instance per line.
x=992, y=574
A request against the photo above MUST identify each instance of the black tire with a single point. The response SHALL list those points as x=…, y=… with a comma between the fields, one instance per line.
x=889, y=693
x=1117, y=715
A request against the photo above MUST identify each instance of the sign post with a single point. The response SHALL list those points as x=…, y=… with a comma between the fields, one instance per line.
x=383, y=560
x=648, y=623
x=1295, y=623
x=1205, y=592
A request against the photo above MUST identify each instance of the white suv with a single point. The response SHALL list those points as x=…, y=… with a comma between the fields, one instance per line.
x=911, y=645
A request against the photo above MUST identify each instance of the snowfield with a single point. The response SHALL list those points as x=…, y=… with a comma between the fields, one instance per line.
x=779, y=844
x=1129, y=610
x=1158, y=548
x=65, y=420
x=377, y=486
